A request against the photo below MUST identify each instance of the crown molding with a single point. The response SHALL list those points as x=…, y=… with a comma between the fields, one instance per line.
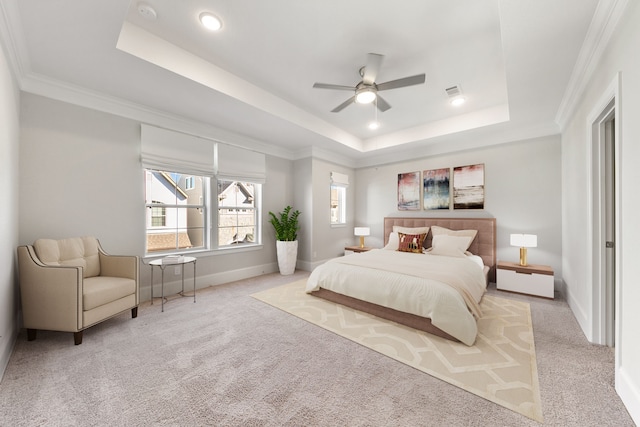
x=12, y=41
x=76, y=95
x=325, y=155
x=471, y=140
x=603, y=25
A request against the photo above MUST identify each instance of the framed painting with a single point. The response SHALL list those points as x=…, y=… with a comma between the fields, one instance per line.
x=435, y=189
x=409, y=191
x=468, y=187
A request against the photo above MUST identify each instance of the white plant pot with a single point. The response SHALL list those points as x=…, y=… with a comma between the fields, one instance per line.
x=287, y=256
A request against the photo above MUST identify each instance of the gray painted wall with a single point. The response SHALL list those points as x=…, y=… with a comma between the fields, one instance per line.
x=620, y=57
x=80, y=174
x=522, y=191
x=9, y=142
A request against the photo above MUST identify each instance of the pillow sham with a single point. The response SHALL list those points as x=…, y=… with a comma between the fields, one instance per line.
x=411, y=230
x=411, y=242
x=393, y=242
x=444, y=244
x=438, y=231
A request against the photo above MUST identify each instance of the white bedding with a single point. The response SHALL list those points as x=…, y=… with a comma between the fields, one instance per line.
x=411, y=283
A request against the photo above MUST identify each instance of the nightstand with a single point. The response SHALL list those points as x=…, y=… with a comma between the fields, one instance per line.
x=355, y=249
x=530, y=279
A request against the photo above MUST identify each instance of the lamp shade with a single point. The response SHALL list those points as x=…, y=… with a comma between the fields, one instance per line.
x=361, y=231
x=524, y=240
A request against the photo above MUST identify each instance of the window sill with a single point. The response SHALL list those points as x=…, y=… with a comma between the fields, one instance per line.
x=208, y=252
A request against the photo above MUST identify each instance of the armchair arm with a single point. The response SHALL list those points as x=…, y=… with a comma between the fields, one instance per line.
x=120, y=266
x=51, y=295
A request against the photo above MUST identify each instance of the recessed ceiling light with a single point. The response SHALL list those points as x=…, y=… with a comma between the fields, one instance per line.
x=146, y=11
x=210, y=21
x=456, y=102
x=374, y=125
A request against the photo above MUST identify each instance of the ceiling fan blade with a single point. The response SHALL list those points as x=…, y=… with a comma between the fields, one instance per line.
x=407, y=81
x=374, y=61
x=344, y=105
x=330, y=86
x=382, y=104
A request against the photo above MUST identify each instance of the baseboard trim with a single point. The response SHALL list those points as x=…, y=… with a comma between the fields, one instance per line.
x=629, y=394
x=7, y=343
x=579, y=314
x=174, y=286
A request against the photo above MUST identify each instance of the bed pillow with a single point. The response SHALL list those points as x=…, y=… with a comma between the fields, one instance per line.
x=411, y=230
x=393, y=242
x=455, y=246
x=411, y=242
x=438, y=231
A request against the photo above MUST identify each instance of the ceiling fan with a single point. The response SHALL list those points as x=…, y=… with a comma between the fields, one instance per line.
x=367, y=90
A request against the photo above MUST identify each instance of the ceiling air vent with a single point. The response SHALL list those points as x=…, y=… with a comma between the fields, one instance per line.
x=453, y=91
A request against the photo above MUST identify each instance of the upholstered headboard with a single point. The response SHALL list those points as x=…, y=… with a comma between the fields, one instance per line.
x=484, y=245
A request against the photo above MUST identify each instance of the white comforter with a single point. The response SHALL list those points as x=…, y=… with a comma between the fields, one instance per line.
x=411, y=283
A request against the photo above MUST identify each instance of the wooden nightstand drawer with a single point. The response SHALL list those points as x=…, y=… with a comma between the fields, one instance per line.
x=531, y=280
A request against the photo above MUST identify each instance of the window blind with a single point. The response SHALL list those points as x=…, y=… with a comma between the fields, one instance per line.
x=239, y=164
x=341, y=179
x=163, y=149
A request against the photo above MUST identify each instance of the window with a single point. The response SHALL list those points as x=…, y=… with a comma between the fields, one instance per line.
x=189, y=183
x=338, y=200
x=158, y=214
x=176, y=215
x=339, y=184
x=237, y=214
x=183, y=175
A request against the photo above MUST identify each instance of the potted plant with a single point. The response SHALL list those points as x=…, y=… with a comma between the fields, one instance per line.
x=286, y=227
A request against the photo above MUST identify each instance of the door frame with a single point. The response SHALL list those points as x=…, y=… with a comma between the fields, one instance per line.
x=605, y=108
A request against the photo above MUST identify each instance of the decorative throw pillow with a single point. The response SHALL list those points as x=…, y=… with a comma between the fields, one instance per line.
x=411, y=242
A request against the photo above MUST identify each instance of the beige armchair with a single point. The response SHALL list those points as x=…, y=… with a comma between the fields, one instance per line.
x=72, y=284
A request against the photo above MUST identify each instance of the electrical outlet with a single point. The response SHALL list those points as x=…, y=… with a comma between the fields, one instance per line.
x=177, y=270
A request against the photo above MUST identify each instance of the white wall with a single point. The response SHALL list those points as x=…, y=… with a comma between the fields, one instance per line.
x=80, y=174
x=318, y=239
x=522, y=191
x=621, y=56
x=9, y=138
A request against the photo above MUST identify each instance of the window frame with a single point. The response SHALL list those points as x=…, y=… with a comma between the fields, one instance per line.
x=210, y=208
x=257, y=209
x=341, y=192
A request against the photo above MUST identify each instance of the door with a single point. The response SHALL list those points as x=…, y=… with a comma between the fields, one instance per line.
x=608, y=197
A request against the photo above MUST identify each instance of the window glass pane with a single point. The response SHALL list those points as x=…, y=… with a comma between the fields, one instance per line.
x=236, y=213
x=338, y=202
x=176, y=217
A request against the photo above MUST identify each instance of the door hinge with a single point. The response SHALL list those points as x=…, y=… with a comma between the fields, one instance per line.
x=609, y=245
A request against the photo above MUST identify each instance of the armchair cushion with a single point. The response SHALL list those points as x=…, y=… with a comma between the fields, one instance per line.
x=101, y=290
x=74, y=252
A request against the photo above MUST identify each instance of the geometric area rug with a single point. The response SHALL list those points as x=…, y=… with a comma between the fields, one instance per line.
x=500, y=367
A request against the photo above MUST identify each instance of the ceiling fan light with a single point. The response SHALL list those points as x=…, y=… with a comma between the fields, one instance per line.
x=365, y=97
x=210, y=21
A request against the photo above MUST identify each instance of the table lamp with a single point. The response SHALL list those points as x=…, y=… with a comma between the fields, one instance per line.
x=524, y=241
x=362, y=231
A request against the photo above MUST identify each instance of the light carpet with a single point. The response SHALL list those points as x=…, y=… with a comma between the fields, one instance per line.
x=500, y=367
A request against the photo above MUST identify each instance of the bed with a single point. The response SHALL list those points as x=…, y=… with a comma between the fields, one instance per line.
x=435, y=292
